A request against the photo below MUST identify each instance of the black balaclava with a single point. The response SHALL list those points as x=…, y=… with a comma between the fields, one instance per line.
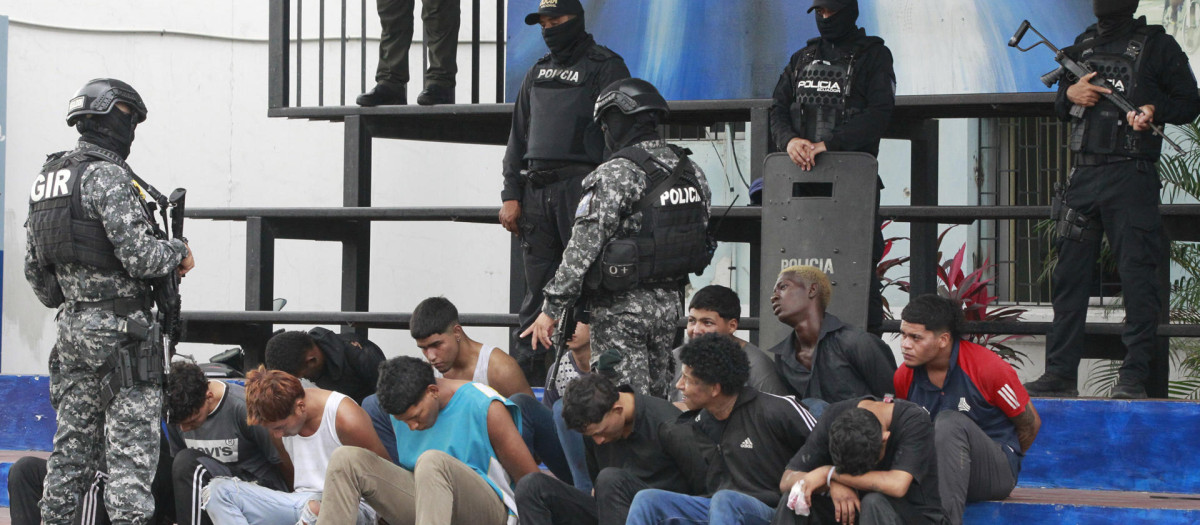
x=839, y=26
x=564, y=39
x=112, y=131
x=1115, y=16
x=622, y=130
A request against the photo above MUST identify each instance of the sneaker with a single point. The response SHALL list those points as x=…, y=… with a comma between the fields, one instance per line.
x=1051, y=385
x=383, y=95
x=435, y=94
x=1129, y=391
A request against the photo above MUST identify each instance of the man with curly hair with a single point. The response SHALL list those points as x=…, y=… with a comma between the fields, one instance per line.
x=306, y=425
x=868, y=460
x=824, y=360
x=210, y=438
x=747, y=436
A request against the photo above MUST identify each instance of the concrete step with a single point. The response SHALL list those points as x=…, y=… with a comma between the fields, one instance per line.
x=1071, y=506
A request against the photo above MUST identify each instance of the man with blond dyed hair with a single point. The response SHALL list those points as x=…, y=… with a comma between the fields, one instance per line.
x=825, y=360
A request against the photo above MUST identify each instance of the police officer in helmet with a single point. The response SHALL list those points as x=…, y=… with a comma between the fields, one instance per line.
x=836, y=94
x=91, y=252
x=640, y=228
x=1113, y=188
x=552, y=145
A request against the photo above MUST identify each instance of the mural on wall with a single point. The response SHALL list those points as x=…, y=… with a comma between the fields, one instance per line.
x=717, y=49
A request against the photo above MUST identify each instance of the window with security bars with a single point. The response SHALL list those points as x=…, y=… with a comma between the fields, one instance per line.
x=1018, y=162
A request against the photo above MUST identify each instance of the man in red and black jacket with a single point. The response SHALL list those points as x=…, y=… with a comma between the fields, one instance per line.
x=983, y=419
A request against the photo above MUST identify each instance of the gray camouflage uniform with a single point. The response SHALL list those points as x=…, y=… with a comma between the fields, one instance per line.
x=127, y=432
x=632, y=330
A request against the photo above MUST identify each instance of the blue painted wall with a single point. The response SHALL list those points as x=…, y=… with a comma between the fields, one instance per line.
x=717, y=49
x=1115, y=445
x=26, y=419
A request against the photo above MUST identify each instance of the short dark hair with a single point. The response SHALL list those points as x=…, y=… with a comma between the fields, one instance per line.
x=937, y=313
x=586, y=400
x=432, y=316
x=717, y=359
x=855, y=438
x=402, y=382
x=286, y=350
x=717, y=298
x=186, y=388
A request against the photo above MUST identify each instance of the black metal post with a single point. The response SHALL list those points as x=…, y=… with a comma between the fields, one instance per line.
x=500, y=45
x=924, y=176
x=278, y=59
x=356, y=192
x=475, y=16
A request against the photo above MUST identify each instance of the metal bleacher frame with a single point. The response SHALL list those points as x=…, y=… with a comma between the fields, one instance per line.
x=914, y=120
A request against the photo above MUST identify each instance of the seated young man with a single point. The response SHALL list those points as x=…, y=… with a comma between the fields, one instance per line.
x=306, y=425
x=983, y=419
x=825, y=360
x=716, y=309
x=442, y=340
x=753, y=435
x=343, y=363
x=867, y=460
x=459, y=447
x=628, y=454
x=209, y=438
x=573, y=364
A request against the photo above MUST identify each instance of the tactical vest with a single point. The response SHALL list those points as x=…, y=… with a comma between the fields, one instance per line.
x=561, y=102
x=673, y=240
x=822, y=87
x=61, y=232
x=1103, y=129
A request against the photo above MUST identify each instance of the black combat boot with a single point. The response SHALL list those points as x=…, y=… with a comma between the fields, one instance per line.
x=384, y=95
x=1051, y=385
x=435, y=94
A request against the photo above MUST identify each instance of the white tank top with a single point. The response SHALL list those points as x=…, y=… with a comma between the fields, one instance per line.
x=481, y=365
x=310, y=455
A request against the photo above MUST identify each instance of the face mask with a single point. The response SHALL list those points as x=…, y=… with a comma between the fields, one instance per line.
x=561, y=38
x=621, y=130
x=840, y=25
x=113, y=131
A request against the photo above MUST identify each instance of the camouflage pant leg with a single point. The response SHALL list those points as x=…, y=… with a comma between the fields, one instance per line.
x=632, y=337
x=132, y=434
x=85, y=340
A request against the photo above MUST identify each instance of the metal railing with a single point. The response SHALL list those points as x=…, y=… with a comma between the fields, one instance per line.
x=287, y=44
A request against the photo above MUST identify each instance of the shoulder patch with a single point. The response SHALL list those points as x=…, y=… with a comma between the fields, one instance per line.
x=585, y=205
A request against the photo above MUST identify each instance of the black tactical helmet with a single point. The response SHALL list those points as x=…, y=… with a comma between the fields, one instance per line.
x=630, y=95
x=99, y=96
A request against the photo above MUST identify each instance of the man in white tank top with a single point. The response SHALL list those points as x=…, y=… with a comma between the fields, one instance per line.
x=445, y=345
x=306, y=424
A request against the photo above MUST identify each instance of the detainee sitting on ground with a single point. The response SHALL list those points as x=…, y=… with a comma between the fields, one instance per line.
x=307, y=425
x=454, y=355
x=825, y=360
x=459, y=447
x=344, y=363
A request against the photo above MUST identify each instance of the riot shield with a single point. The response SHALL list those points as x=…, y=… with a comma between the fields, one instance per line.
x=823, y=218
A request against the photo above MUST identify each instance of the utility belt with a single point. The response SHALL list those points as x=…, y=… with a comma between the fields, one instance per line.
x=121, y=306
x=141, y=360
x=544, y=173
x=1096, y=159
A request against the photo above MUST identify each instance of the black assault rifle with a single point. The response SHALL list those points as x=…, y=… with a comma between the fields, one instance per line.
x=166, y=288
x=1072, y=69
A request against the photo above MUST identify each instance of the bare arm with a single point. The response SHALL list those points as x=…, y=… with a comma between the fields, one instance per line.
x=892, y=483
x=285, y=463
x=507, y=442
x=506, y=376
x=355, y=429
x=1028, y=424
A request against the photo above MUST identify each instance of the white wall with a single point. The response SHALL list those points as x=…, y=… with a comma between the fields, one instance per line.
x=207, y=131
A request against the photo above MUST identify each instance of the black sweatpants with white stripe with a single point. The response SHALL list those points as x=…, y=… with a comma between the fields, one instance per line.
x=190, y=473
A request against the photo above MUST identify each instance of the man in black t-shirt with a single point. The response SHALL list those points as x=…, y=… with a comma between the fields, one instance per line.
x=344, y=363
x=628, y=451
x=866, y=457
